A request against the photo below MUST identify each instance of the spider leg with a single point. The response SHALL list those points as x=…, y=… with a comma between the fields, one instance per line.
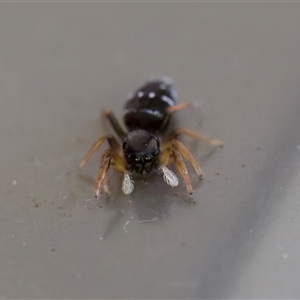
x=102, y=173
x=175, y=151
x=178, y=106
x=165, y=159
x=174, y=134
x=182, y=149
x=105, y=187
x=111, y=157
x=92, y=150
x=119, y=164
x=182, y=169
x=171, y=154
x=112, y=142
x=115, y=124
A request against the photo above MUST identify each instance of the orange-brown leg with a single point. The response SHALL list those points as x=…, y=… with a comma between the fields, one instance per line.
x=174, y=150
x=92, y=150
x=112, y=142
x=102, y=173
x=188, y=156
x=105, y=187
x=165, y=159
x=183, y=171
x=195, y=135
x=119, y=164
x=109, y=158
x=178, y=106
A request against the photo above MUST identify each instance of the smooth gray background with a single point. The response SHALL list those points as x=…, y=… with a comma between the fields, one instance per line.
x=62, y=63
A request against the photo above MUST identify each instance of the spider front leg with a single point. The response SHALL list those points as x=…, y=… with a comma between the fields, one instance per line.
x=111, y=157
x=171, y=154
x=175, y=151
x=165, y=159
x=101, y=180
x=92, y=150
x=182, y=169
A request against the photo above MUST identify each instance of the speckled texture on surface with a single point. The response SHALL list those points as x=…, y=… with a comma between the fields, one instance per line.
x=62, y=63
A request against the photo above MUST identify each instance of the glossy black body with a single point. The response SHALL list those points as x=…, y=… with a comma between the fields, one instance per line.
x=141, y=149
x=147, y=108
x=145, y=116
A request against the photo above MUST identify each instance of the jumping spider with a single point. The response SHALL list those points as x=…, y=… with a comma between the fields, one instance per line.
x=146, y=146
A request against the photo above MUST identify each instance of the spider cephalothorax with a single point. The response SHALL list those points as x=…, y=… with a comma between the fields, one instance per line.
x=141, y=149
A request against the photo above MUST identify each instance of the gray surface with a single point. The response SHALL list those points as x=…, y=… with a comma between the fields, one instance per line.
x=61, y=63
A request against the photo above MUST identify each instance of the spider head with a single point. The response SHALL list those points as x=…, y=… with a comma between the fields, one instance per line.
x=141, y=151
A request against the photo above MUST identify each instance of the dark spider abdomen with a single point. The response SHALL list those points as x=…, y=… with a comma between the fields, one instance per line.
x=147, y=108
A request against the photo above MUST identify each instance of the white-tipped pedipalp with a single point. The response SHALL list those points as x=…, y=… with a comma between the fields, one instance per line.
x=169, y=177
x=127, y=184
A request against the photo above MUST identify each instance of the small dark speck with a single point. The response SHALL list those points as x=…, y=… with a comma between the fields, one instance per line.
x=65, y=215
x=182, y=245
x=258, y=149
x=52, y=249
x=35, y=203
x=243, y=165
x=217, y=174
x=176, y=194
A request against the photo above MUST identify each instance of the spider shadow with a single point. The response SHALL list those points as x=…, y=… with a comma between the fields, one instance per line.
x=150, y=201
x=150, y=198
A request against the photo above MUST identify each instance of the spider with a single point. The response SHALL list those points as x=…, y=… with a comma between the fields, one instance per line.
x=146, y=146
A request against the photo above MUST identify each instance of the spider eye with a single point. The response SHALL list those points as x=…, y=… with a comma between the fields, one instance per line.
x=137, y=159
x=148, y=157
